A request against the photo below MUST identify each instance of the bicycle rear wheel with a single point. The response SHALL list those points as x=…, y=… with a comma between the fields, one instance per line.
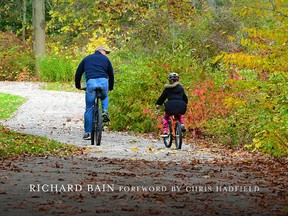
x=168, y=140
x=178, y=135
x=98, y=127
x=93, y=136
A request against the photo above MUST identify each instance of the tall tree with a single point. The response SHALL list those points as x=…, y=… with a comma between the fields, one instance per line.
x=39, y=26
x=24, y=9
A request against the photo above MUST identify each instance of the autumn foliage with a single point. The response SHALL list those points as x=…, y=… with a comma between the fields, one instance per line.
x=206, y=102
x=231, y=57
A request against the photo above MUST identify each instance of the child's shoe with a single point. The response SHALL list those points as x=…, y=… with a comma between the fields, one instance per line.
x=183, y=128
x=164, y=133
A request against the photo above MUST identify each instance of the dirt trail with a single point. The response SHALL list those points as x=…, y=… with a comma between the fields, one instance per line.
x=129, y=175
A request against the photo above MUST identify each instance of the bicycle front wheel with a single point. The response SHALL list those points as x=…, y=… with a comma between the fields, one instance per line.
x=168, y=139
x=178, y=135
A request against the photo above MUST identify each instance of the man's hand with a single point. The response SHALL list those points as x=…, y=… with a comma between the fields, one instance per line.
x=158, y=106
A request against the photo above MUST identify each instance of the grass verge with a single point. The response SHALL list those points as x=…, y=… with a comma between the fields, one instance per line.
x=9, y=104
x=17, y=144
x=57, y=86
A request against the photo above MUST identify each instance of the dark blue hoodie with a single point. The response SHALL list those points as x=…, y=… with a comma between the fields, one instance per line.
x=95, y=66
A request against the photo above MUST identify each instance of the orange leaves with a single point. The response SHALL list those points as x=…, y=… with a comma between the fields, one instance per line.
x=200, y=93
x=206, y=101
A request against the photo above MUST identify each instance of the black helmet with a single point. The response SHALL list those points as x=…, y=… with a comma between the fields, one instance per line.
x=173, y=77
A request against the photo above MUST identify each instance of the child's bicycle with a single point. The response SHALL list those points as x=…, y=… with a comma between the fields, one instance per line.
x=97, y=121
x=174, y=133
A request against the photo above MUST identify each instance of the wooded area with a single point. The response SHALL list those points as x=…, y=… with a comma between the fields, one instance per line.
x=231, y=56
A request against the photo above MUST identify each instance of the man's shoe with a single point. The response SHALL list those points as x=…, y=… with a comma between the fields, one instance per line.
x=105, y=117
x=87, y=136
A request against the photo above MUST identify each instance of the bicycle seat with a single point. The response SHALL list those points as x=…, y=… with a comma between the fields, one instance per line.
x=98, y=92
x=98, y=89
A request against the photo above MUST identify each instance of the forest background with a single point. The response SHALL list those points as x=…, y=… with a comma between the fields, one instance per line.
x=231, y=57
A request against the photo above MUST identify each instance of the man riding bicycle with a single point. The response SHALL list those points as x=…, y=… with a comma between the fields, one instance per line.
x=99, y=74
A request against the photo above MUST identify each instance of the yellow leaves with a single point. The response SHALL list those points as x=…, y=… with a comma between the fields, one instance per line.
x=242, y=60
x=65, y=29
x=135, y=149
x=243, y=12
x=96, y=41
x=248, y=146
x=244, y=41
x=231, y=38
x=89, y=150
x=217, y=59
x=234, y=102
x=257, y=143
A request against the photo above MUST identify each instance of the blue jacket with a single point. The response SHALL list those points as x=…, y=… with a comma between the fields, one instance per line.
x=95, y=66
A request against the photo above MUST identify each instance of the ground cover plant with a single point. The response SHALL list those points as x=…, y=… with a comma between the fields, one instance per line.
x=9, y=104
x=18, y=144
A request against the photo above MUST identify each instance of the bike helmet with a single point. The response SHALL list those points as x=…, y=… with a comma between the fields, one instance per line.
x=173, y=77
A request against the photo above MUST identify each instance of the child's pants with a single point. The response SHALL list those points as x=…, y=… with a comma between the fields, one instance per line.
x=166, y=118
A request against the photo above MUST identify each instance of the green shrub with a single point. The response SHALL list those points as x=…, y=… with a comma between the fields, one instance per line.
x=258, y=117
x=138, y=84
x=132, y=104
x=54, y=68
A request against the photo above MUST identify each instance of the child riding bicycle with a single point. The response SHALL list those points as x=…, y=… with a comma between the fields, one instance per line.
x=176, y=104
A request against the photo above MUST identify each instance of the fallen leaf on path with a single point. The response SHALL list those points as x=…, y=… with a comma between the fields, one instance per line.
x=2, y=191
x=98, y=152
x=150, y=148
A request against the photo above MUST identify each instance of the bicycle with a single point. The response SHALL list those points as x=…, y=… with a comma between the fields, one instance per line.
x=97, y=121
x=174, y=133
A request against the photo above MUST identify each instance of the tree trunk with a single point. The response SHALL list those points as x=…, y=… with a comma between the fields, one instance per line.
x=39, y=25
x=24, y=8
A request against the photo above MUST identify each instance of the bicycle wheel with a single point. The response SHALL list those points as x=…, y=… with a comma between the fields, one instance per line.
x=168, y=140
x=93, y=126
x=178, y=135
x=98, y=127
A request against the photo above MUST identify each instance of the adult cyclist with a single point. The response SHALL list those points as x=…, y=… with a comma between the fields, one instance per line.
x=99, y=74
